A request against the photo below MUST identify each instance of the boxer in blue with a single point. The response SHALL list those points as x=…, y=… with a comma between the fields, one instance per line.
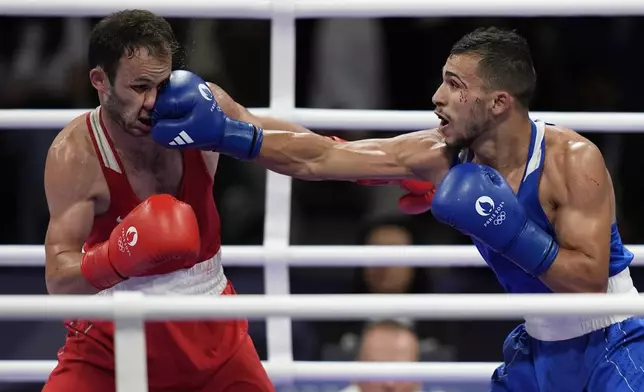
x=536, y=199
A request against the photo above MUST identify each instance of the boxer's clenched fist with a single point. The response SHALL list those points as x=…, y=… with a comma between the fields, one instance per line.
x=160, y=230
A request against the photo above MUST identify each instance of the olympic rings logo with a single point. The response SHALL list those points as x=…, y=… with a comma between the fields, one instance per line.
x=500, y=218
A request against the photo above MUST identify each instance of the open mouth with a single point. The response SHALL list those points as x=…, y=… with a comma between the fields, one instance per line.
x=444, y=121
x=145, y=121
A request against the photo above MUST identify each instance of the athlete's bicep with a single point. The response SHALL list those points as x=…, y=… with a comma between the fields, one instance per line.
x=69, y=228
x=427, y=156
x=583, y=219
x=68, y=186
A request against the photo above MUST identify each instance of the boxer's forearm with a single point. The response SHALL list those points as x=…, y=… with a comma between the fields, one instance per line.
x=66, y=276
x=575, y=272
x=276, y=123
x=313, y=157
x=237, y=111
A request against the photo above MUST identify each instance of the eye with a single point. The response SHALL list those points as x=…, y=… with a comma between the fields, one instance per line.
x=141, y=88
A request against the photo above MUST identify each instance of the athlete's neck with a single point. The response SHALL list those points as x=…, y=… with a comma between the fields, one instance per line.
x=505, y=146
x=123, y=141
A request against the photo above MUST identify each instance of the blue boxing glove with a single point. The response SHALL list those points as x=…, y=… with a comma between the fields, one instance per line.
x=476, y=200
x=186, y=115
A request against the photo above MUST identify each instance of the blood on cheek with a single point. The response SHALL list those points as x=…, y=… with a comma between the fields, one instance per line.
x=463, y=96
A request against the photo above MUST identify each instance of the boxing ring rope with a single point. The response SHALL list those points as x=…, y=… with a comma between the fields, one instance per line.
x=442, y=373
x=265, y=9
x=314, y=256
x=129, y=309
x=346, y=119
x=134, y=306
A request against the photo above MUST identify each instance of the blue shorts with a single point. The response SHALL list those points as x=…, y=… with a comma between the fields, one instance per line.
x=606, y=360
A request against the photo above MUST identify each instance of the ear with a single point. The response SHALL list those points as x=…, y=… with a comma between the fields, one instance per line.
x=502, y=103
x=99, y=80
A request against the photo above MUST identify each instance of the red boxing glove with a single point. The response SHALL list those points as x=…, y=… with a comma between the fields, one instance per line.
x=160, y=230
x=420, y=193
x=419, y=199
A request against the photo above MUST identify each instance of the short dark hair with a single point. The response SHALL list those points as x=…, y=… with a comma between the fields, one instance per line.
x=505, y=61
x=123, y=32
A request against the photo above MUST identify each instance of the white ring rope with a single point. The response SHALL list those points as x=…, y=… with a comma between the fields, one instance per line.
x=345, y=119
x=437, y=372
x=330, y=8
x=483, y=306
x=318, y=307
x=315, y=256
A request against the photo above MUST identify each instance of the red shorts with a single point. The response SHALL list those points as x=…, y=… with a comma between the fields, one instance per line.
x=205, y=356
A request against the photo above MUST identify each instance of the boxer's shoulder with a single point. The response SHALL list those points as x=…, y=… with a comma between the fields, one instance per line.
x=567, y=149
x=72, y=165
x=570, y=159
x=73, y=145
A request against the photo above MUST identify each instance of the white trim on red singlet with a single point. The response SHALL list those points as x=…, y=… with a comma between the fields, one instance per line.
x=205, y=278
x=108, y=157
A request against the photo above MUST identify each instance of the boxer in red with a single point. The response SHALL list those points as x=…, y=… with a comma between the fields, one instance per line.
x=129, y=214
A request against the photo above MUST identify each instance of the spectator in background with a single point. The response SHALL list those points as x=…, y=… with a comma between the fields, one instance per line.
x=387, y=341
x=341, y=339
x=394, y=279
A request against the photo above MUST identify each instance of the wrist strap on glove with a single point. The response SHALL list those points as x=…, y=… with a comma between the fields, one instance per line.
x=241, y=140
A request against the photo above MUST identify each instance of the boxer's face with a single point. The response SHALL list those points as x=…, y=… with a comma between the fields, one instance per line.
x=462, y=101
x=129, y=97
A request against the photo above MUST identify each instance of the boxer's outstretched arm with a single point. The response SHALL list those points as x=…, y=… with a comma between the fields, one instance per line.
x=582, y=224
x=420, y=155
x=237, y=111
x=293, y=150
x=69, y=177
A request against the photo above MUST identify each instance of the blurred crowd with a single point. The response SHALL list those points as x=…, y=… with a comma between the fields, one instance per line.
x=583, y=64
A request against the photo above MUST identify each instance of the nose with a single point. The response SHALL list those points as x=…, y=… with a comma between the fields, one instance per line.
x=439, y=97
x=150, y=99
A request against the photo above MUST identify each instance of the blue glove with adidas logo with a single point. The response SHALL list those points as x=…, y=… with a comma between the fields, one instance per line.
x=186, y=115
